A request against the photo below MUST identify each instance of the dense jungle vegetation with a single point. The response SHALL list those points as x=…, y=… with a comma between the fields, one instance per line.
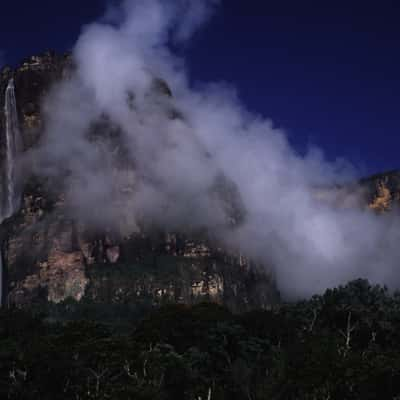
x=344, y=344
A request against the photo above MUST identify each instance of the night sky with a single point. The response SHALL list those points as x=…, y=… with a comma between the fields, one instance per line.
x=327, y=72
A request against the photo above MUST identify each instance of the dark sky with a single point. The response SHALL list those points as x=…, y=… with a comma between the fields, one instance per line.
x=328, y=72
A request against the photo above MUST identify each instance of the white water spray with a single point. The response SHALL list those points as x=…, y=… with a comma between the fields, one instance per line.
x=13, y=147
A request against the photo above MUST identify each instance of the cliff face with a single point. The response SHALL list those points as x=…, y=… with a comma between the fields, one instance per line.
x=382, y=191
x=49, y=256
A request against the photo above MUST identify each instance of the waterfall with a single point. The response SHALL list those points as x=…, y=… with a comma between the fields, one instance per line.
x=13, y=147
x=10, y=198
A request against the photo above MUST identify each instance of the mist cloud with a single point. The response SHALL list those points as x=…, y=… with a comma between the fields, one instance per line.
x=199, y=160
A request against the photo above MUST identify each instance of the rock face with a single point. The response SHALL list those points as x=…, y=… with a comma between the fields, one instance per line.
x=382, y=191
x=48, y=256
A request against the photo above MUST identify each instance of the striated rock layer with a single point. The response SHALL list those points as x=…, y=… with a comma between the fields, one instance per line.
x=49, y=256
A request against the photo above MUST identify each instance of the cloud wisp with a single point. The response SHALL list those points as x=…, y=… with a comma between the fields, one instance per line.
x=199, y=160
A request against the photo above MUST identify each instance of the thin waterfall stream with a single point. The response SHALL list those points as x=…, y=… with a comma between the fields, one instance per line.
x=13, y=147
x=10, y=199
